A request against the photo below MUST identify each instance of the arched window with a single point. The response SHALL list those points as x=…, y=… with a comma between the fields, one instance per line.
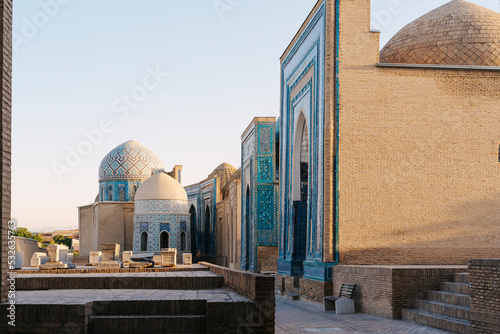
x=102, y=194
x=110, y=193
x=183, y=241
x=121, y=194
x=164, y=240
x=144, y=241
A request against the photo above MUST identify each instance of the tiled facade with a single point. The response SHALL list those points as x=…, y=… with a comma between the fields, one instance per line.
x=228, y=225
x=154, y=224
x=259, y=193
x=202, y=200
x=303, y=114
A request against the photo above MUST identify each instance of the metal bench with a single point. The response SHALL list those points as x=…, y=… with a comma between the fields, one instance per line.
x=343, y=303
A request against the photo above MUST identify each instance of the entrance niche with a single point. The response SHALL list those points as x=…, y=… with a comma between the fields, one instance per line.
x=247, y=229
x=207, y=231
x=164, y=240
x=192, y=218
x=300, y=188
x=144, y=241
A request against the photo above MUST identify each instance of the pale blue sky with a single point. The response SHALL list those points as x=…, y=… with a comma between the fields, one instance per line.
x=74, y=61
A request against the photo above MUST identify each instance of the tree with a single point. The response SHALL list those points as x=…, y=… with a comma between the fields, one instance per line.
x=38, y=238
x=23, y=232
x=59, y=239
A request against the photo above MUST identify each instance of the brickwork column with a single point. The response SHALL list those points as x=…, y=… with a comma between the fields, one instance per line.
x=484, y=278
x=5, y=141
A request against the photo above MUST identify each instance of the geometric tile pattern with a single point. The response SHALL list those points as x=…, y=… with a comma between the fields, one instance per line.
x=129, y=160
x=154, y=224
x=303, y=100
x=258, y=164
x=457, y=33
x=160, y=206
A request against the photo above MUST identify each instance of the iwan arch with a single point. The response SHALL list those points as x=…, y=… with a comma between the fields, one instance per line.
x=400, y=163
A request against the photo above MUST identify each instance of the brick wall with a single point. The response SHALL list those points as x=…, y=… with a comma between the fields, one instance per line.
x=253, y=317
x=385, y=290
x=5, y=141
x=484, y=278
x=267, y=258
x=418, y=156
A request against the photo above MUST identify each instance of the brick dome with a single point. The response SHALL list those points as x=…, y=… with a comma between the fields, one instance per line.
x=457, y=33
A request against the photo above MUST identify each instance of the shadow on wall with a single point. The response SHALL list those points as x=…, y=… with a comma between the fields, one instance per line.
x=471, y=232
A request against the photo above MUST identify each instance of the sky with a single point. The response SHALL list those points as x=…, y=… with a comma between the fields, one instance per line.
x=183, y=78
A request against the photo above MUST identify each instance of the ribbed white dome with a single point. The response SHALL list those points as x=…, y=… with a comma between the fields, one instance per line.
x=161, y=187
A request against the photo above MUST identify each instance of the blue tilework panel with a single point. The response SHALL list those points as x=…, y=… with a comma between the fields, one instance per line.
x=265, y=170
x=303, y=97
x=160, y=206
x=154, y=224
x=258, y=169
x=266, y=217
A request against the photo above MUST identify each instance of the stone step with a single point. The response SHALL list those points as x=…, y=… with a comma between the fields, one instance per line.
x=173, y=281
x=437, y=321
x=462, y=278
x=147, y=324
x=449, y=298
x=456, y=287
x=292, y=296
x=150, y=307
x=449, y=310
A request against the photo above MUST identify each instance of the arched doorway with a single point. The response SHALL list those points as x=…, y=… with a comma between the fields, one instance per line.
x=247, y=229
x=164, y=240
x=300, y=187
x=192, y=212
x=207, y=231
x=144, y=241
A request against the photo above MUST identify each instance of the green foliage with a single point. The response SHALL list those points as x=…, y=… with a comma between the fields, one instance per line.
x=23, y=232
x=59, y=239
x=38, y=237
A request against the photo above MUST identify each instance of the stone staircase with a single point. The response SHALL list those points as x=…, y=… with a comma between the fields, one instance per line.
x=161, y=316
x=448, y=309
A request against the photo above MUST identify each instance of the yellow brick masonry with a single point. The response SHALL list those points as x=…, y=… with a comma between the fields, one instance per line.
x=419, y=171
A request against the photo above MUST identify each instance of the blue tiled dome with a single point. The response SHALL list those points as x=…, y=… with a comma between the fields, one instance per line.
x=129, y=160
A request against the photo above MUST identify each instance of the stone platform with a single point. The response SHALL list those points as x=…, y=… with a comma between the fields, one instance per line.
x=159, y=301
x=93, y=269
x=154, y=280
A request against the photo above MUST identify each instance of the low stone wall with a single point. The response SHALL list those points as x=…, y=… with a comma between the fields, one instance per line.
x=255, y=317
x=48, y=319
x=385, y=290
x=93, y=270
x=314, y=290
x=484, y=278
x=92, y=281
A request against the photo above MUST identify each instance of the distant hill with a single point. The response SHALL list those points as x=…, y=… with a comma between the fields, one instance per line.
x=52, y=228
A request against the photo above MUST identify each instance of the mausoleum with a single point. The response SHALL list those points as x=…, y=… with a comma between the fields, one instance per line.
x=161, y=218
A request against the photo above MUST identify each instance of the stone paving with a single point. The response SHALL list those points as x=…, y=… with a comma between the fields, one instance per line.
x=82, y=296
x=303, y=317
